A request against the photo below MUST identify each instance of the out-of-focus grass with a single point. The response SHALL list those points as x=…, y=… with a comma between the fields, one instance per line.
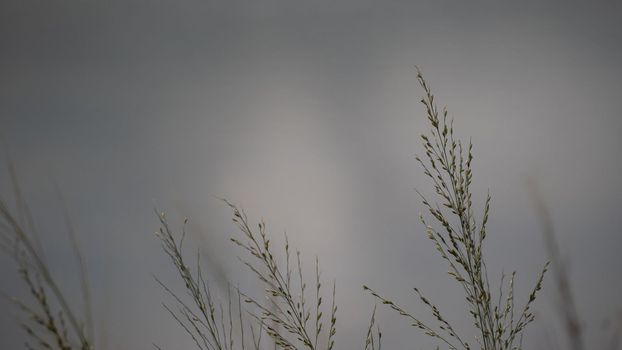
x=49, y=319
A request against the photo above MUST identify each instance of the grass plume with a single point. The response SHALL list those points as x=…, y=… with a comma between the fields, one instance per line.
x=287, y=314
x=210, y=324
x=458, y=237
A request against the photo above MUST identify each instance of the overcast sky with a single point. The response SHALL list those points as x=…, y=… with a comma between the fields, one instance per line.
x=306, y=114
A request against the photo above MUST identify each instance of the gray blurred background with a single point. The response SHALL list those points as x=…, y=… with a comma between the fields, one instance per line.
x=306, y=114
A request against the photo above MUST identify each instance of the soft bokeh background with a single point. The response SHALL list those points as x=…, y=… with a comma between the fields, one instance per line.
x=306, y=113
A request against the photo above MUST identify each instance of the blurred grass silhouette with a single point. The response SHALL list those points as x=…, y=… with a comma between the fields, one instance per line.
x=50, y=320
x=566, y=305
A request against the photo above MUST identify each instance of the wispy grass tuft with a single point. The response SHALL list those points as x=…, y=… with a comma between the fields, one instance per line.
x=292, y=316
x=211, y=325
x=458, y=237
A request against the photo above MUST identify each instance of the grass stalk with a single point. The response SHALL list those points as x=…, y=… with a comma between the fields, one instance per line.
x=458, y=237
